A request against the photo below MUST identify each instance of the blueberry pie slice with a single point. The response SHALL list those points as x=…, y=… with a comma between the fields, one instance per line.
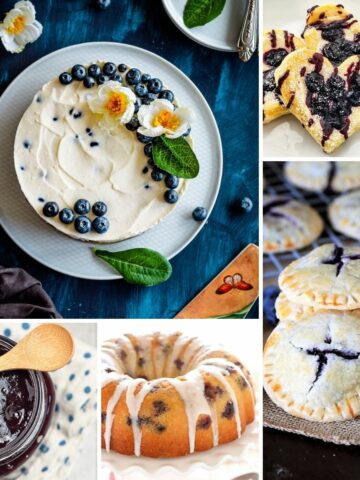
x=332, y=31
x=327, y=277
x=277, y=44
x=320, y=176
x=289, y=224
x=312, y=366
x=324, y=98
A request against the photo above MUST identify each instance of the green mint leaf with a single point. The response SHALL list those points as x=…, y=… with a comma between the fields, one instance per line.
x=201, y=12
x=175, y=156
x=139, y=266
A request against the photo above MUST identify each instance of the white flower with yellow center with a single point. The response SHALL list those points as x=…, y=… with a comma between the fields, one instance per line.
x=161, y=118
x=115, y=103
x=20, y=27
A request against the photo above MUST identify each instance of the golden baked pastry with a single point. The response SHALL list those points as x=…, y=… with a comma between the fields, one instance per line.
x=277, y=44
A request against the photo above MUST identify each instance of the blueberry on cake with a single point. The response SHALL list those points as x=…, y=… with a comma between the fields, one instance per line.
x=84, y=151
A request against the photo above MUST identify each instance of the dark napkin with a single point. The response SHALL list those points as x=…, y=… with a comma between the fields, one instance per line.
x=22, y=296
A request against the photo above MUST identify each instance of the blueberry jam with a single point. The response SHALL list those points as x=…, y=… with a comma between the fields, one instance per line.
x=16, y=404
x=338, y=48
x=26, y=405
x=332, y=99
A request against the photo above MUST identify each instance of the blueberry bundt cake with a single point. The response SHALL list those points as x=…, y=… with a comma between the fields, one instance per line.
x=168, y=395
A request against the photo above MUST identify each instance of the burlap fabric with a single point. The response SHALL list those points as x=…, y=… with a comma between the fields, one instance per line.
x=342, y=433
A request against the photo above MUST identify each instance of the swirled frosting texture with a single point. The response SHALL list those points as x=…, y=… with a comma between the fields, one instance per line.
x=62, y=155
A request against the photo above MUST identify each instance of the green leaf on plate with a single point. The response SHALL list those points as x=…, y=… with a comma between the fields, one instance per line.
x=139, y=266
x=175, y=156
x=201, y=12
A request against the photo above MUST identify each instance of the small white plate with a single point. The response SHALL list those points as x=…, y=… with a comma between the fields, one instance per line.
x=74, y=257
x=220, y=34
x=285, y=137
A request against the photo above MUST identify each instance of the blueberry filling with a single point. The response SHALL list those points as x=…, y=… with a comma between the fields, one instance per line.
x=331, y=100
x=340, y=259
x=269, y=84
x=160, y=407
x=274, y=57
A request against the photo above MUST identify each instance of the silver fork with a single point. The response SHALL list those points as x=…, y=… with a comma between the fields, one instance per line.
x=248, y=34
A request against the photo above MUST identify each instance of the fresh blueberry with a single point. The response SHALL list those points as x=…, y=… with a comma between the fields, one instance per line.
x=246, y=204
x=89, y=82
x=145, y=170
x=143, y=138
x=171, y=181
x=199, y=214
x=82, y=224
x=167, y=95
x=145, y=77
x=99, y=209
x=151, y=162
x=141, y=90
x=100, y=224
x=94, y=70
x=109, y=69
x=51, y=209
x=103, y=4
x=171, y=196
x=122, y=67
x=102, y=79
x=65, y=78
x=155, y=85
x=82, y=206
x=117, y=78
x=187, y=133
x=148, y=150
x=133, y=76
x=270, y=295
x=148, y=98
x=78, y=72
x=157, y=175
x=66, y=216
x=133, y=124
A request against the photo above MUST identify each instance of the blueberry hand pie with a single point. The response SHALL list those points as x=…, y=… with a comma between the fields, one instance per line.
x=289, y=224
x=344, y=214
x=277, y=44
x=332, y=31
x=320, y=176
x=327, y=277
x=324, y=98
x=312, y=367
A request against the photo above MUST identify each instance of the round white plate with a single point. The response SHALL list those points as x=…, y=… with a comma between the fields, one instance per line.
x=285, y=137
x=220, y=34
x=74, y=257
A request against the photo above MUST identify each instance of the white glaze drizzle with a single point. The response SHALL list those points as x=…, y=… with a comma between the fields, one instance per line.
x=197, y=360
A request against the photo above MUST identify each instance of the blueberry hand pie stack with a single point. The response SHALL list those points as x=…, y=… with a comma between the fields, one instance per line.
x=319, y=81
x=312, y=358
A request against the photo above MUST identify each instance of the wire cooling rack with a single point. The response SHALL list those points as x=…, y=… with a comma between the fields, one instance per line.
x=276, y=184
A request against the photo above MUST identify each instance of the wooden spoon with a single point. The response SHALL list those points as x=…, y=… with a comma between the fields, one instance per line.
x=46, y=348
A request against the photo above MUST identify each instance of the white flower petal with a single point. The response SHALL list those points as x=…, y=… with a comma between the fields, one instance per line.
x=27, y=10
x=29, y=35
x=10, y=44
x=128, y=114
x=152, y=132
x=178, y=132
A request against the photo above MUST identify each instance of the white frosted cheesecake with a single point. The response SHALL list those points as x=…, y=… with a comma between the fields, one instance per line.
x=85, y=139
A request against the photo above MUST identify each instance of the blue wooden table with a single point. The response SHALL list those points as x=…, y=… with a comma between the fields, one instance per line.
x=230, y=87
